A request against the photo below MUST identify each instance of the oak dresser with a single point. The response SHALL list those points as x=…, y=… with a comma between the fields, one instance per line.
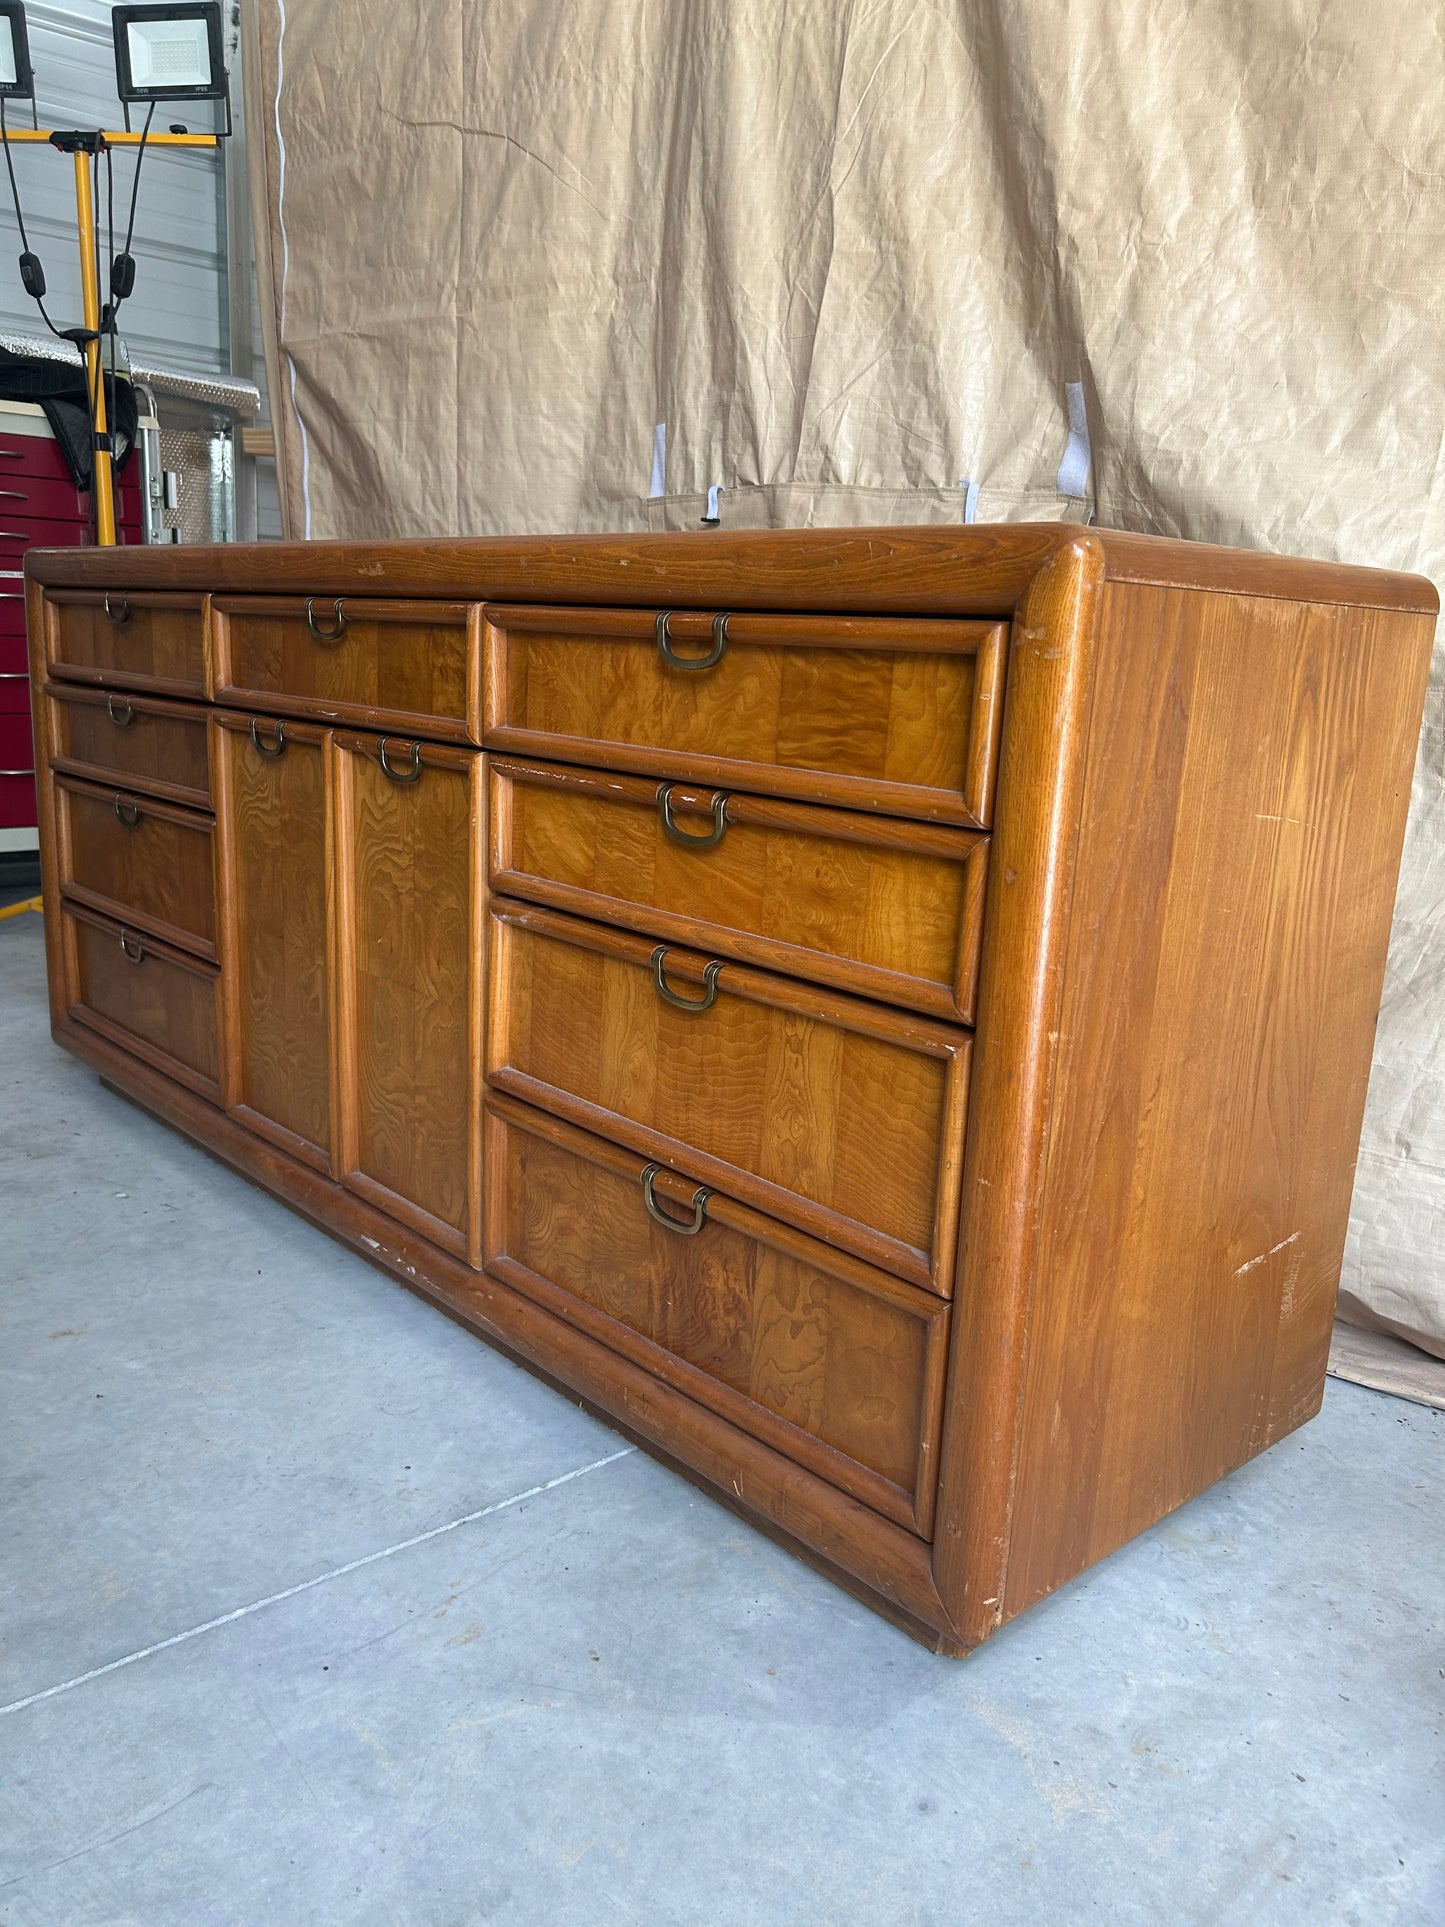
x=882, y=1015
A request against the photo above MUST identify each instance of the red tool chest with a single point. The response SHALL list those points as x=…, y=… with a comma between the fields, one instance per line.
x=40, y=507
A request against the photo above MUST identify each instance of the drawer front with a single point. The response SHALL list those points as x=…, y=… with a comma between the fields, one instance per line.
x=823, y=1358
x=879, y=714
x=33, y=455
x=51, y=497
x=129, y=741
x=144, y=862
x=838, y=1116
x=146, y=996
x=410, y=666
x=14, y=693
x=55, y=504
x=872, y=904
x=18, y=533
x=151, y=641
x=13, y=652
x=17, y=771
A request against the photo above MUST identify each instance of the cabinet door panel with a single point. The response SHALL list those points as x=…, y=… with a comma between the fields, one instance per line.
x=275, y=839
x=410, y=847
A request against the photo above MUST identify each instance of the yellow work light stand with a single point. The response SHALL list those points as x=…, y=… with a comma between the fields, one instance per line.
x=81, y=146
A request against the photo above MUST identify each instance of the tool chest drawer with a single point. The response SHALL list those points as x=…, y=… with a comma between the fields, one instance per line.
x=876, y=713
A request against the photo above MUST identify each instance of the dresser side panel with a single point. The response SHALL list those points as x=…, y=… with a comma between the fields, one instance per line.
x=1244, y=807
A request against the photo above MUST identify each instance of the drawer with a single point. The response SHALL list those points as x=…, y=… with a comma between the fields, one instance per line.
x=841, y=1117
x=12, y=621
x=867, y=903
x=128, y=741
x=53, y=496
x=132, y=640
x=14, y=693
x=34, y=455
x=17, y=771
x=146, y=996
x=409, y=666
x=18, y=534
x=872, y=713
x=141, y=861
x=827, y=1360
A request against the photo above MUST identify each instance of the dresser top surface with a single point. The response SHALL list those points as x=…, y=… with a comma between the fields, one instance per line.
x=922, y=570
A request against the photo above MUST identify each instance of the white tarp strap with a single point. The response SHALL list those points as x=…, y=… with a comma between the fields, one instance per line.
x=659, y=461
x=1075, y=468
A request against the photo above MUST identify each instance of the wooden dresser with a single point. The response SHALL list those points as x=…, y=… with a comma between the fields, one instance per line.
x=883, y=1015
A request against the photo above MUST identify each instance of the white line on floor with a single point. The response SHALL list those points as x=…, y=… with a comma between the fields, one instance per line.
x=337, y=1572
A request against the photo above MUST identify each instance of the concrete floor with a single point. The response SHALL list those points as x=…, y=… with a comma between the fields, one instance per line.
x=315, y=1611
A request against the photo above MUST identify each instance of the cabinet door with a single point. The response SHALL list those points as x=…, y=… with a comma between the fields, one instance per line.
x=410, y=847
x=274, y=819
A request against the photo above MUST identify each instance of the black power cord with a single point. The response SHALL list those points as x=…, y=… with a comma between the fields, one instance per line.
x=32, y=274
x=122, y=266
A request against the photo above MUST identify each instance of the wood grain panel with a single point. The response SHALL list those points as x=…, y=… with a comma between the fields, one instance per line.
x=156, y=1001
x=146, y=862
x=870, y=904
x=1248, y=779
x=149, y=641
x=899, y=715
x=132, y=742
x=409, y=863
x=1020, y=983
x=274, y=825
x=841, y=1117
x=411, y=666
x=761, y=1323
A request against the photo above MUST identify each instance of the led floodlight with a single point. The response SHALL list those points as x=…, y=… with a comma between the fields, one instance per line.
x=169, y=52
x=17, y=79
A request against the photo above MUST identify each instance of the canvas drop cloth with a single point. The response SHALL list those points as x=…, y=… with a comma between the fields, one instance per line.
x=541, y=265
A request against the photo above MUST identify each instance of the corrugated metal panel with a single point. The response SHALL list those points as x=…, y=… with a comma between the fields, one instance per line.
x=179, y=311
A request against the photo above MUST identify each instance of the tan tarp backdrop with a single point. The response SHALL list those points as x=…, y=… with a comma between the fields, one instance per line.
x=542, y=265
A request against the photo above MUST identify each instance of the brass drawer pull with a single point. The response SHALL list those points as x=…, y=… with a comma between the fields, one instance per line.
x=700, y=1199
x=120, y=713
x=121, y=614
x=127, y=811
x=278, y=748
x=412, y=770
x=709, y=978
x=688, y=838
x=338, y=618
x=132, y=956
x=674, y=661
